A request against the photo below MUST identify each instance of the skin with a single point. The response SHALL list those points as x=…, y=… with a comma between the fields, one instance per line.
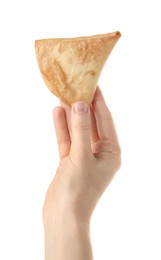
x=89, y=158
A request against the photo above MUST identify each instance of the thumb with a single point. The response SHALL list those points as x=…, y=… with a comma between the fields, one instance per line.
x=80, y=126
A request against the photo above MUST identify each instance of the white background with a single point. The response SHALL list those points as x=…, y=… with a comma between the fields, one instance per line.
x=127, y=222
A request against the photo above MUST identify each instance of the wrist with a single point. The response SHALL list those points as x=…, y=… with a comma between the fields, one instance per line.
x=66, y=220
x=64, y=215
x=66, y=237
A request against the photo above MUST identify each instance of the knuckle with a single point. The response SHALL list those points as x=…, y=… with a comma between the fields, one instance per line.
x=82, y=126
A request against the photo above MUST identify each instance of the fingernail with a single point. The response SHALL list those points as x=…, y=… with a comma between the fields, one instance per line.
x=80, y=107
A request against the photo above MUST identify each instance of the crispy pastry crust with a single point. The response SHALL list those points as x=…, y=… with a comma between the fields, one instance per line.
x=71, y=67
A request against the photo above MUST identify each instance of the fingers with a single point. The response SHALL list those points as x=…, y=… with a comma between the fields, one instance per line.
x=94, y=132
x=61, y=128
x=80, y=126
x=104, y=120
x=83, y=126
x=67, y=110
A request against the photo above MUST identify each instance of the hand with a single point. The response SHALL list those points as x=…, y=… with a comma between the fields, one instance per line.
x=89, y=157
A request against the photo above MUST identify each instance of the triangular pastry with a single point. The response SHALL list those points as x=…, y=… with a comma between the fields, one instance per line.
x=71, y=67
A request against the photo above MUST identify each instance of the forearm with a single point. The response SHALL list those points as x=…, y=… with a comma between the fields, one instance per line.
x=67, y=240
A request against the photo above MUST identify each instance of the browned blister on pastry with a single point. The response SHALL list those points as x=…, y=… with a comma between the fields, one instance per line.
x=71, y=67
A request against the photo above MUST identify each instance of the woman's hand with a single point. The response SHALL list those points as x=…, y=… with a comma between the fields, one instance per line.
x=89, y=158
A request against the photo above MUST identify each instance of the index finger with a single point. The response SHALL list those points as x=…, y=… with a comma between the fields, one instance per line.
x=104, y=121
